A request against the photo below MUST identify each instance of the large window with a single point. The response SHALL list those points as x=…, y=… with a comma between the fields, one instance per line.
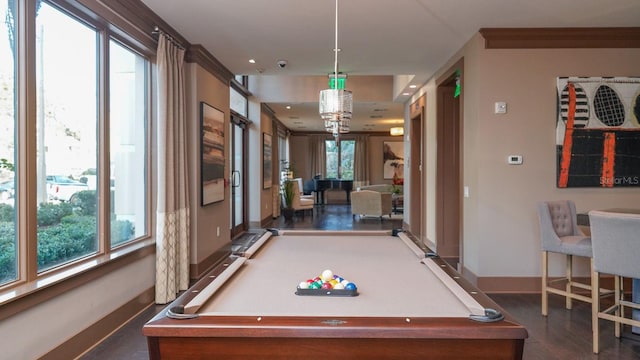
x=128, y=114
x=86, y=151
x=8, y=244
x=339, y=158
x=67, y=121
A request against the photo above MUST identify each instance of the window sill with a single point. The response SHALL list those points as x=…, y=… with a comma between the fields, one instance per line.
x=25, y=296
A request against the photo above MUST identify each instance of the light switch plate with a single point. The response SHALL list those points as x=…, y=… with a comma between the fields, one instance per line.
x=500, y=107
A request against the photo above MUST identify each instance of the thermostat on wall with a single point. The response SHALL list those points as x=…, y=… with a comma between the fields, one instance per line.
x=514, y=159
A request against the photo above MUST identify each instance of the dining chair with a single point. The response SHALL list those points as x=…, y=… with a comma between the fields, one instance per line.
x=559, y=233
x=616, y=251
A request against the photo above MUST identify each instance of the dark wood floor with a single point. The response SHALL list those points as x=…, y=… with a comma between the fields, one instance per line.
x=337, y=217
x=564, y=334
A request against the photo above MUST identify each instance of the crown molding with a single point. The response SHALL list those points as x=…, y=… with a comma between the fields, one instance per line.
x=557, y=38
x=201, y=56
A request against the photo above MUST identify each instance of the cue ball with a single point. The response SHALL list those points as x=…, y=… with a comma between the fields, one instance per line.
x=327, y=275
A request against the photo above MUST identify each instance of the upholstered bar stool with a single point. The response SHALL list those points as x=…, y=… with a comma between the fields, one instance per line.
x=559, y=233
x=616, y=251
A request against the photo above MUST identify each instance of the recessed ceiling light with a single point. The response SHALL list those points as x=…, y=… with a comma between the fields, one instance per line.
x=406, y=94
x=413, y=86
x=252, y=61
x=288, y=107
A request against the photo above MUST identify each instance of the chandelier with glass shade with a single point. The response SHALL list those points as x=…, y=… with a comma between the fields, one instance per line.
x=336, y=104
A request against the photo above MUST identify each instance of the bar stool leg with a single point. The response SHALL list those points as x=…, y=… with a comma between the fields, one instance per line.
x=568, y=299
x=545, y=270
x=595, y=306
x=619, y=308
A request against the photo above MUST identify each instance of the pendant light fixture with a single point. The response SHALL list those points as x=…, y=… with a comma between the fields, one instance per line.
x=336, y=104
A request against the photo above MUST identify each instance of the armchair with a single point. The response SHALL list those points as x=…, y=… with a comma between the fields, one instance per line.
x=301, y=189
x=301, y=202
x=370, y=202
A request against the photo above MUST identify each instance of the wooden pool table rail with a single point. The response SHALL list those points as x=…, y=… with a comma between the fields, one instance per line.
x=328, y=336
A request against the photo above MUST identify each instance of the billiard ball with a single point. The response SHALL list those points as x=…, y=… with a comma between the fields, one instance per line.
x=326, y=286
x=327, y=275
x=338, y=286
x=303, y=285
x=350, y=286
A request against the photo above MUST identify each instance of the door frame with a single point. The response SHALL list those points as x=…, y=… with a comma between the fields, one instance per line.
x=449, y=165
x=239, y=122
x=417, y=210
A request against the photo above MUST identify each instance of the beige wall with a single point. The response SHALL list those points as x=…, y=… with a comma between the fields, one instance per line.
x=205, y=220
x=500, y=230
x=37, y=330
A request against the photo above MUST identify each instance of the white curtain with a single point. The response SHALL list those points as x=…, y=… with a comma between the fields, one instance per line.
x=172, y=229
x=361, y=162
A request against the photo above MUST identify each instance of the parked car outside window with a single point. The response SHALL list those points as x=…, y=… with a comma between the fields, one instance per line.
x=7, y=189
x=62, y=187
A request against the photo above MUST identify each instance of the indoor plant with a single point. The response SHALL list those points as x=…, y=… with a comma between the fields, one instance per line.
x=287, y=197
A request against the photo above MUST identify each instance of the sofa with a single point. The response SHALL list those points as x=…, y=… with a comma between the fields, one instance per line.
x=371, y=203
x=382, y=188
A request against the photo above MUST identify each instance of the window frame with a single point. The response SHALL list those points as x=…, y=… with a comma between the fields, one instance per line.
x=30, y=286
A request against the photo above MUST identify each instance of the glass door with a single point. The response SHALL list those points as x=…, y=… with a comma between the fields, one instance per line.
x=238, y=171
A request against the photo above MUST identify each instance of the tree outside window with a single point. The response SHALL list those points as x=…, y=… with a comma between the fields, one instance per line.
x=340, y=155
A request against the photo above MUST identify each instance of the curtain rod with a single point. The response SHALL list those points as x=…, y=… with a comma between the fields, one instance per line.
x=171, y=39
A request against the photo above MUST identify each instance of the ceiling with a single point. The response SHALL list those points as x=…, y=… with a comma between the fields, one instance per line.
x=393, y=37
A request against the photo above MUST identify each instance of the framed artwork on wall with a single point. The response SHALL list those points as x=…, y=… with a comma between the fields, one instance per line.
x=267, y=166
x=212, y=154
x=393, y=159
x=598, y=132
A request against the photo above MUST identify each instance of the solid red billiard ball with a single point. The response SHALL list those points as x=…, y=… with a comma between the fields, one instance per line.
x=326, y=286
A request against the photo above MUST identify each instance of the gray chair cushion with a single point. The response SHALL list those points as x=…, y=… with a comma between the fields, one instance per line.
x=616, y=243
x=559, y=230
x=561, y=217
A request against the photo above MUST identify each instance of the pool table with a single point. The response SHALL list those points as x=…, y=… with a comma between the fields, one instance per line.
x=408, y=304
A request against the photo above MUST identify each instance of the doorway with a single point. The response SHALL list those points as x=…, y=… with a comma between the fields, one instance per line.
x=449, y=166
x=417, y=211
x=239, y=221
